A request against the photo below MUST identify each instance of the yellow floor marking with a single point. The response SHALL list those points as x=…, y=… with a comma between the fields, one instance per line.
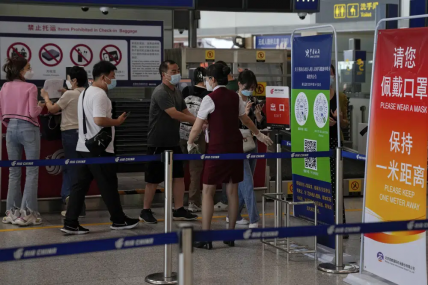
x=106, y=224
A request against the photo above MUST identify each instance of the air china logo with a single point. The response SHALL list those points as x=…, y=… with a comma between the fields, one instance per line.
x=380, y=256
x=313, y=53
x=117, y=159
x=18, y=253
x=119, y=243
x=56, y=169
x=13, y=163
x=359, y=157
x=249, y=156
x=203, y=156
x=67, y=161
x=271, y=91
x=249, y=234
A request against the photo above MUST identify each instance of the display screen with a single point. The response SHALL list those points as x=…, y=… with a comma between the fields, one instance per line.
x=307, y=5
x=269, y=5
x=136, y=3
x=219, y=5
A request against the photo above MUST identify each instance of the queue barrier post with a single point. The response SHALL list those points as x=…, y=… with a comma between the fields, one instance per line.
x=338, y=267
x=278, y=182
x=285, y=244
x=185, y=258
x=166, y=277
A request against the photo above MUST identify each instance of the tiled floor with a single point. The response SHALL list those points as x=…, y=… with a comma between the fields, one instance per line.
x=247, y=263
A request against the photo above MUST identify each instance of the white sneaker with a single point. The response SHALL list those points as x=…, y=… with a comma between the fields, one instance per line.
x=11, y=217
x=193, y=208
x=28, y=220
x=254, y=226
x=220, y=207
x=242, y=222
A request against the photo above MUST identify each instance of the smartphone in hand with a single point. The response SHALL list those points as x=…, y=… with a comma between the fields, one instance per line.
x=127, y=114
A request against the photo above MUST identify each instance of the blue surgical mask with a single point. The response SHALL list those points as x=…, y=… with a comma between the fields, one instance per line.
x=175, y=79
x=332, y=80
x=112, y=84
x=247, y=93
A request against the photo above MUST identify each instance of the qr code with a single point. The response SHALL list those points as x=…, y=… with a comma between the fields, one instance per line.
x=310, y=162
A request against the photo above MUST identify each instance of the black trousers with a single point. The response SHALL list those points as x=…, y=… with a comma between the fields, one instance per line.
x=106, y=177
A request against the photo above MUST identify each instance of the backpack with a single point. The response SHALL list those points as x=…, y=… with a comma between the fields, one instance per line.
x=193, y=104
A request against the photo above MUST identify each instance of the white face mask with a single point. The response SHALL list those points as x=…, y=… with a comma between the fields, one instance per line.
x=29, y=74
x=69, y=85
x=208, y=85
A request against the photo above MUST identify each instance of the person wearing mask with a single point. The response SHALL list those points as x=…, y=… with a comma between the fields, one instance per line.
x=77, y=78
x=19, y=111
x=94, y=110
x=232, y=84
x=334, y=116
x=222, y=108
x=167, y=110
x=193, y=96
x=247, y=82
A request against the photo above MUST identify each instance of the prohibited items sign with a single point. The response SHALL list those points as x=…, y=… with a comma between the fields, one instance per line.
x=81, y=55
x=19, y=50
x=111, y=53
x=50, y=55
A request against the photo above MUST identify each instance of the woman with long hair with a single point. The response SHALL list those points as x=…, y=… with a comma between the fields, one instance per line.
x=19, y=111
x=222, y=108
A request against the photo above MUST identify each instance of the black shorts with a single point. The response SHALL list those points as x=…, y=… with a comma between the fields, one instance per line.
x=155, y=169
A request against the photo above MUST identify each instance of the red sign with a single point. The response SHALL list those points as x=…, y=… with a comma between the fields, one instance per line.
x=277, y=105
x=19, y=49
x=81, y=55
x=50, y=55
x=111, y=53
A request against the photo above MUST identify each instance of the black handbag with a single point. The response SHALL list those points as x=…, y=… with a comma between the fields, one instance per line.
x=98, y=144
x=50, y=126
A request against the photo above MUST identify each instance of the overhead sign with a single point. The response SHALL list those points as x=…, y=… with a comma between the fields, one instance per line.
x=136, y=3
x=351, y=11
x=51, y=45
x=260, y=56
x=397, y=156
x=210, y=55
x=260, y=89
x=306, y=6
x=273, y=42
x=310, y=109
x=277, y=105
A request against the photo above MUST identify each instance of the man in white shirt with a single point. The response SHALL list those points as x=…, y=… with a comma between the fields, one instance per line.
x=98, y=113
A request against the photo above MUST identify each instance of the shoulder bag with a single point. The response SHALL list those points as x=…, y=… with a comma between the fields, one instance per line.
x=98, y=144
x=248, y=140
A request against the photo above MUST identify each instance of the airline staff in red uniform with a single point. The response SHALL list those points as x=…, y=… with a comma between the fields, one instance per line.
x=222, y=108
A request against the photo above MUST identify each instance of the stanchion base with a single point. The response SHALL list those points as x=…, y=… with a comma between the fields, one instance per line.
x=331, y=268
x=158, y=278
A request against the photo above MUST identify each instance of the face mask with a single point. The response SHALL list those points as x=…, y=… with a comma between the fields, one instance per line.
x=332, y=78
x=208, y=85
x=112, y=84
x=247, y=93
x=29, y=74
x=69, y=86
x=175, y=79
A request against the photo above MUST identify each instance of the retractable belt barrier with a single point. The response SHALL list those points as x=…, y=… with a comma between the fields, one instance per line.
x=59, y=249
x=346, y=154
x=146, y=158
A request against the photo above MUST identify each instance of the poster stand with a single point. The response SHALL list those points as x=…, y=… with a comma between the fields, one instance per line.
x=362, y=278
x=338, y=267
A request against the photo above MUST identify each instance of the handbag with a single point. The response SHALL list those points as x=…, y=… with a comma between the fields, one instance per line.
x=50, y=126
x=248, y=140
x=98, y=144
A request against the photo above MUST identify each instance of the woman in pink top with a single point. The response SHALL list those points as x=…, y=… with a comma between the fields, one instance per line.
x=19, y=110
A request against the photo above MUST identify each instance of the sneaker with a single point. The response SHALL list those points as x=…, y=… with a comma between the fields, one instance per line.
x=254, y=226
x=242, y=222
x=219, y=207
x=11, y=217
x=194, y=208
x=183, y=215
x=147, y=216
x=79, y=230
x=28, y=220
x=126, y=225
